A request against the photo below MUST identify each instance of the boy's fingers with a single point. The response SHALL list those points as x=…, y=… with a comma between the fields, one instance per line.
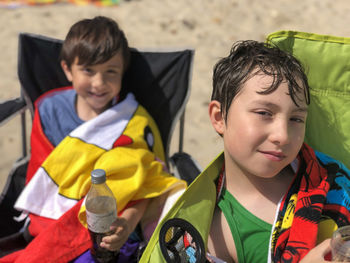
x=112, y=242
x=325, y=246
x=111, y=247
x=115, y=241
x=119, y=222
x=318, y=253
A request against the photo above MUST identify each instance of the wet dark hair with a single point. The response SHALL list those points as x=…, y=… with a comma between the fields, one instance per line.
x=94, y=41
x=249, y=58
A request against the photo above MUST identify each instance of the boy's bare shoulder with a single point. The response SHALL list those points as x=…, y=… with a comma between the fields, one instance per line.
x=220, y=241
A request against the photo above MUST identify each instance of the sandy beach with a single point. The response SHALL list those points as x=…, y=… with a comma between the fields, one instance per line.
x=208, y=26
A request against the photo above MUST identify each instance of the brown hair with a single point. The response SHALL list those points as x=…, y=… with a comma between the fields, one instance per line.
x=248, y=58
x=94, y=41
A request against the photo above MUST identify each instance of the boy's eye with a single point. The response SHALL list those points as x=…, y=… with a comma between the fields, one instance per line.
x=88, y=70
x=296, y=119
x=113, y=72
x=264, y=113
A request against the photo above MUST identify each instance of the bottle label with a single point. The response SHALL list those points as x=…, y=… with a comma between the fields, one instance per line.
x=100, y=223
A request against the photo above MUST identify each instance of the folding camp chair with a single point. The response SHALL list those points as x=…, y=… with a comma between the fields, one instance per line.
x=160, y=81
x=326, y=59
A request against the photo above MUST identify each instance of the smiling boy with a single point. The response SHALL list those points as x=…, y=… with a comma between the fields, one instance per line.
x=96, y=86
x=263, y=131
x=88, y=126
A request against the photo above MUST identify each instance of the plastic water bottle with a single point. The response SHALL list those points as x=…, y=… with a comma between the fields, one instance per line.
x=101, y=212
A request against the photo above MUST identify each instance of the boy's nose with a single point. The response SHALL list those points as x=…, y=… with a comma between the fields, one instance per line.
x=280, y=133
x=98, y=80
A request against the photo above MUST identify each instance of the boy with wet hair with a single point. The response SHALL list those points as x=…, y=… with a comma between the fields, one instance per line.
x=231, y=72
x=88, y=126
x=268, y=197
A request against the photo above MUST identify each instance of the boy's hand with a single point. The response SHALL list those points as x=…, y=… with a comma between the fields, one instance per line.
x=317, y=254
x=119, y=236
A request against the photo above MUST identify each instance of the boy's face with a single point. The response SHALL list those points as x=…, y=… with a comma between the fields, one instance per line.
x=95, y=85
x=263, y=133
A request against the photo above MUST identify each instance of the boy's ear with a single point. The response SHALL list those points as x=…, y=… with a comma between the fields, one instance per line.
x=216, y=117
x=66, y=70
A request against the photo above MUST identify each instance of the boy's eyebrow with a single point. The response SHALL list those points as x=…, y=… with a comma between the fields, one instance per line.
x=273, y=105
x=115, y=66
x=301, y=109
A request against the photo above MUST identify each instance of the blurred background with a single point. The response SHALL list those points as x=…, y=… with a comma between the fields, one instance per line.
x=208, y=26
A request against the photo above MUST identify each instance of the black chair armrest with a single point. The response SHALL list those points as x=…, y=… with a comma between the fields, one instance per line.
x=10, y=108
x=185, y=167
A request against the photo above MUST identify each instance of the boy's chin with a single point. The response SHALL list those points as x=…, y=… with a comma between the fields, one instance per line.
x=269, y=174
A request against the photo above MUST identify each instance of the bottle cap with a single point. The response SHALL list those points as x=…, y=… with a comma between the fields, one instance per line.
x=98, y=176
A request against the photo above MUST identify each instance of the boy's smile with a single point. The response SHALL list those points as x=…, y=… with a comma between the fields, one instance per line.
x=273, y=155
x=96, y=85
x=263, y=132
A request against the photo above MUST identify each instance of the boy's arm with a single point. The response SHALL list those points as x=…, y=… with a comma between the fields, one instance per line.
x=124, y=226
x=220, y=240
x=133, y=214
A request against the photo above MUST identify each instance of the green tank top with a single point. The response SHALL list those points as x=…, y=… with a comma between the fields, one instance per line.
x=251, y=234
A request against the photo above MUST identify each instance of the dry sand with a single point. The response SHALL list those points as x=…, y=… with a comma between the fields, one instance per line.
x=208, y=26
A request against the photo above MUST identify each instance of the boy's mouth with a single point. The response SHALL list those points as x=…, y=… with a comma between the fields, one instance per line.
x=273, y=155
x=98, y=95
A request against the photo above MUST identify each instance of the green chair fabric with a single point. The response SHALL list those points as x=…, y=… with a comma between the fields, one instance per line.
x=326, y=60
x=196, y=205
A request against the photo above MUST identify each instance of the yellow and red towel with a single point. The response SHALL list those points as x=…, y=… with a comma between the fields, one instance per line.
x=125, y=142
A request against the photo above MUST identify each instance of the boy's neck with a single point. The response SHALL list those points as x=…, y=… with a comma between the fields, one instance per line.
x=86, y=113
x=260, y=196
x=248, y=185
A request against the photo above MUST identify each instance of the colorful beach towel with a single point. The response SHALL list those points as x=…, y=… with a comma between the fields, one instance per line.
x=316, y=204
x=123, y=141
